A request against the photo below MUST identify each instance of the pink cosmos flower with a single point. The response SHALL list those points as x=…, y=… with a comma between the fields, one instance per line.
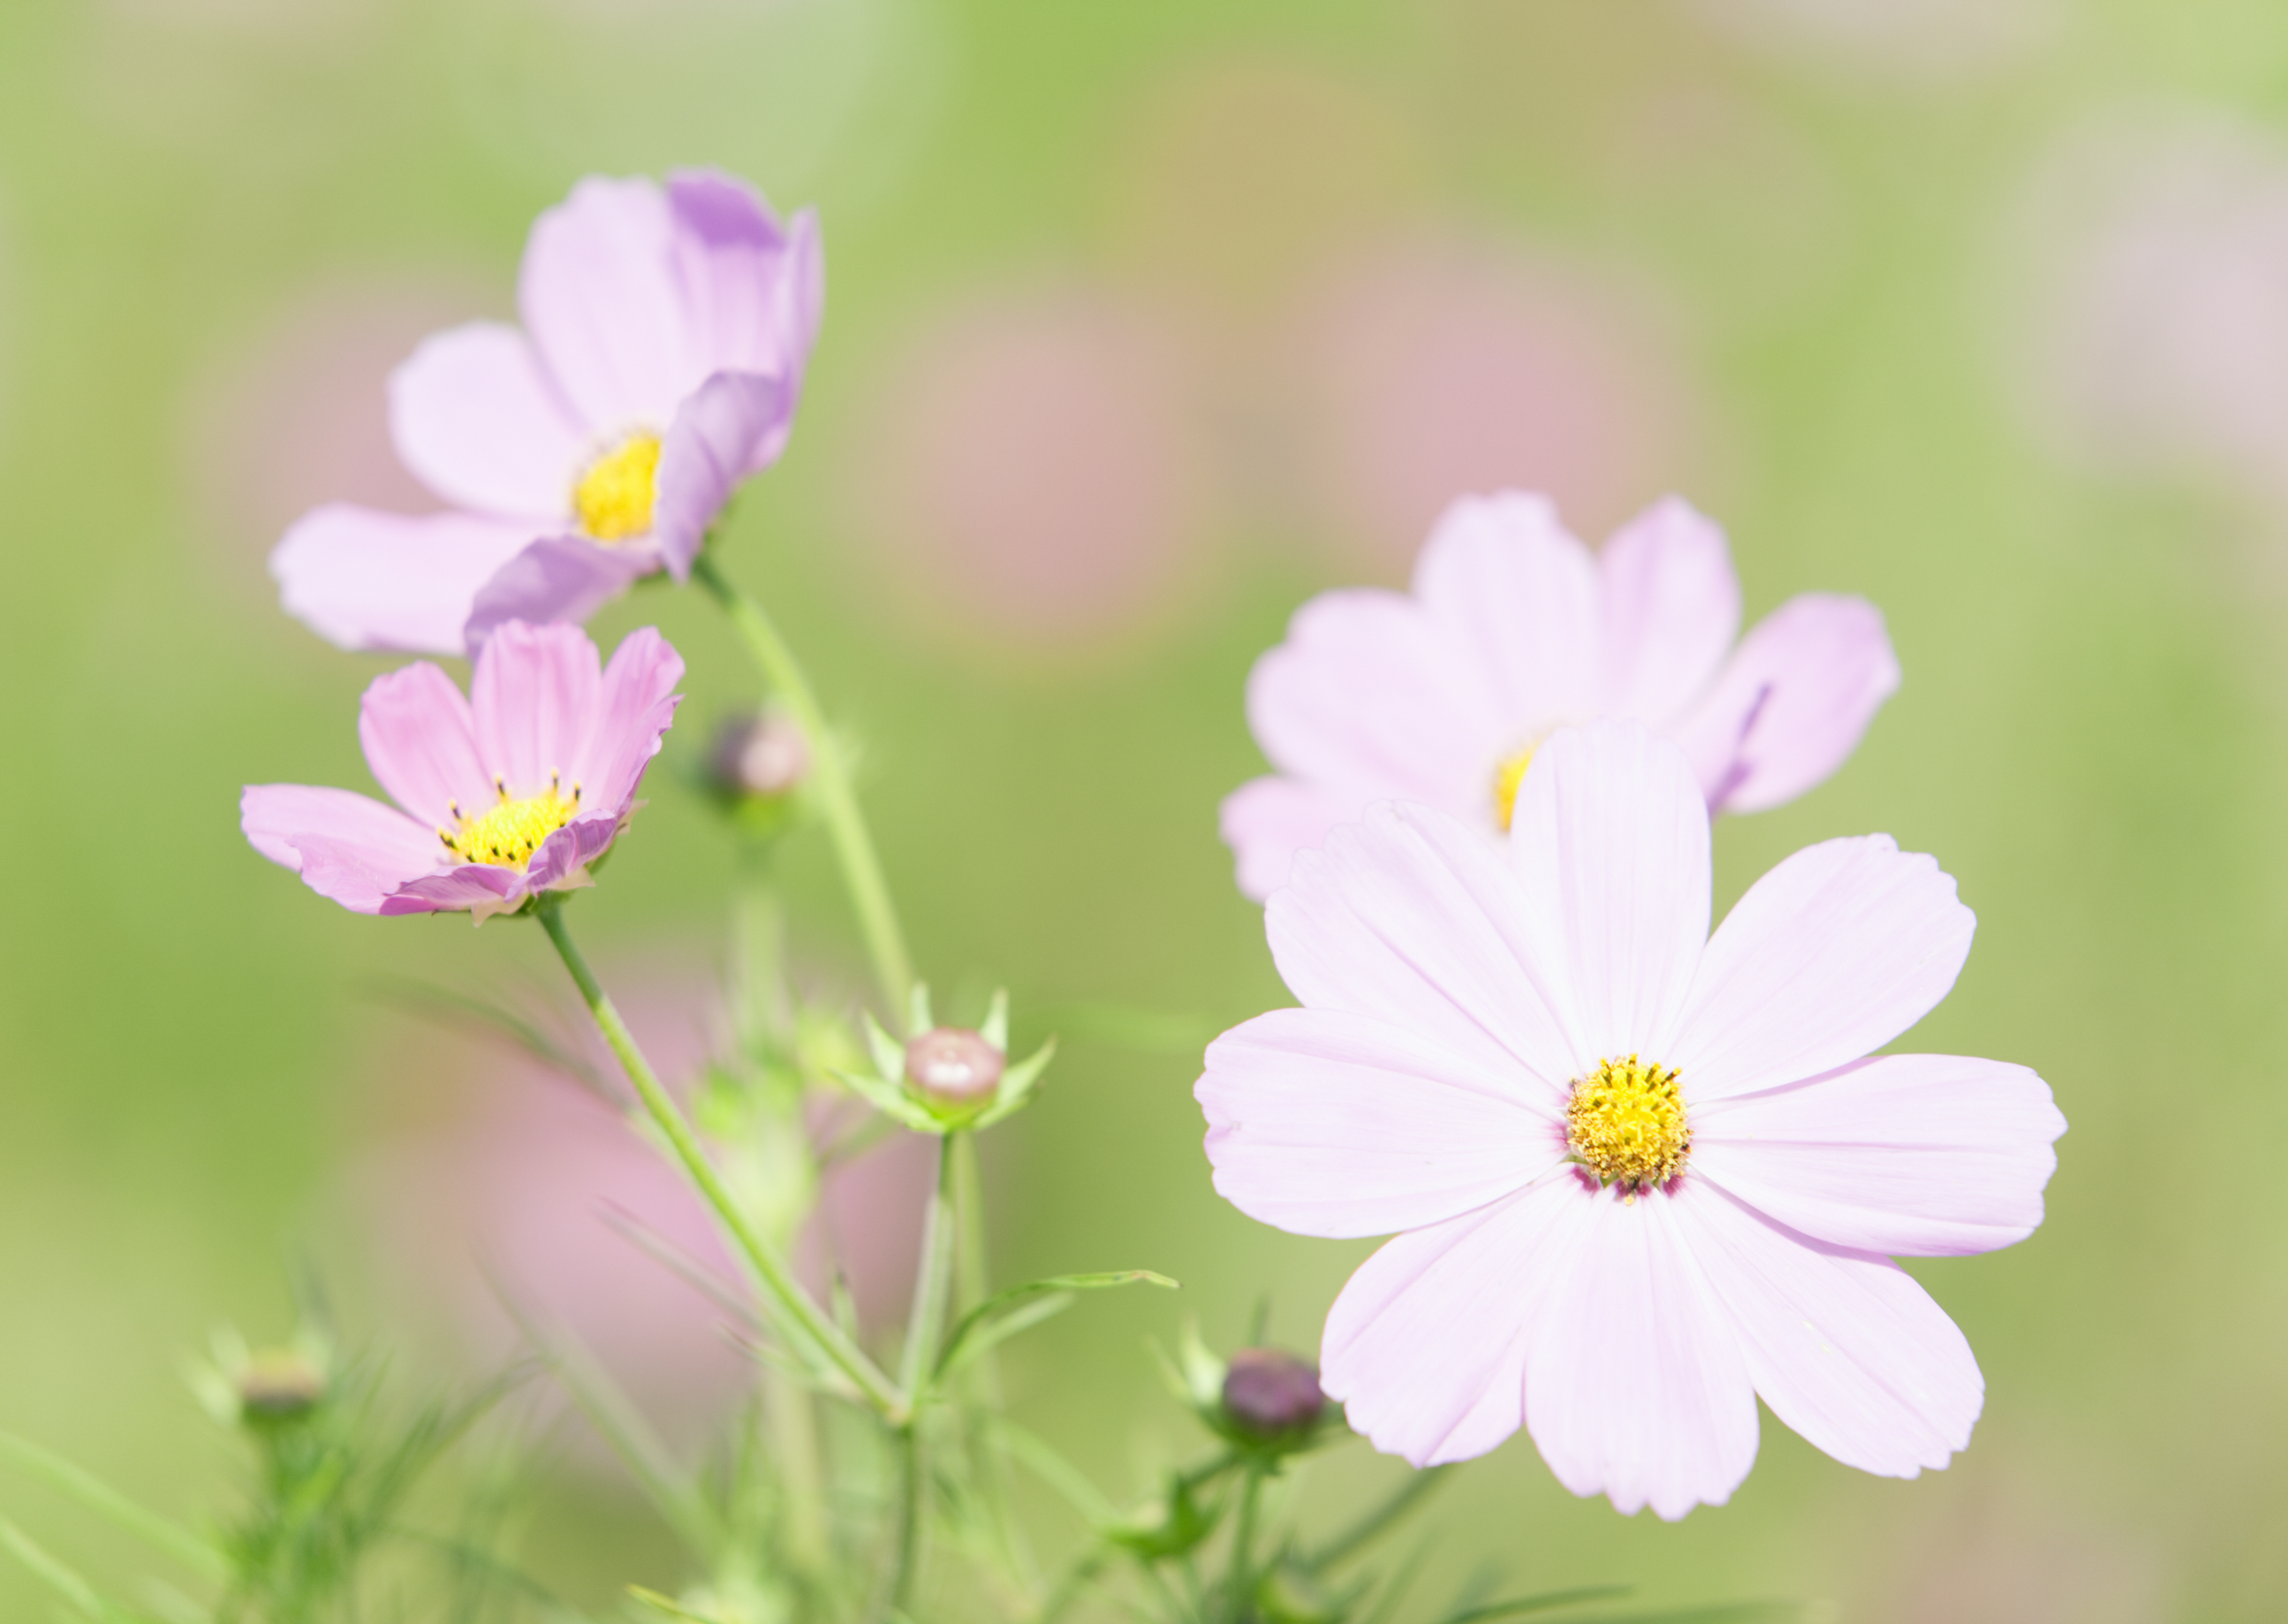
x=510, y=792
x=1513, y=629
x=1639, y=1175
x=664, y=337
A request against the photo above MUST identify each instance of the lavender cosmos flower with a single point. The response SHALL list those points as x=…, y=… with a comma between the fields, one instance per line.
x=510, y=792
x=1513, y=629
x=1639, y=1175
x=664, y=337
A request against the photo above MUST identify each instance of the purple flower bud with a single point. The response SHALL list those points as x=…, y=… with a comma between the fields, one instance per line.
x=1266, y=1392
x=954, y=1064
x=765, y=754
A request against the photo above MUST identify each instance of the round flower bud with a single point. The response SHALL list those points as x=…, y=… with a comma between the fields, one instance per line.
x=954, y=1065
x=1266, y=1392
x=278, y=1385
x=765, y=754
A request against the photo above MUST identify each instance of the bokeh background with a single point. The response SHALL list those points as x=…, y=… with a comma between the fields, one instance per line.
x=1146, y=321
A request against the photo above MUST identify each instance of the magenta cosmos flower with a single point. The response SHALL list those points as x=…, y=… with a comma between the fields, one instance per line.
x=515, y=791
x=1639, y=1175
x=1513, y=629
x=665, y=332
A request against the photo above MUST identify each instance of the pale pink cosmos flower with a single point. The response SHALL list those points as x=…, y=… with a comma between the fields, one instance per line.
x=1514, y=628
x=515, y=791
x=665, y=332
x=1639, y=1175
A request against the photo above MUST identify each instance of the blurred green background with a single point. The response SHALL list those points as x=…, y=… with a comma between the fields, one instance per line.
x=1145, y=321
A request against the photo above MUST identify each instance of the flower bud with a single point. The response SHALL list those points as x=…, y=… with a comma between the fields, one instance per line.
x=1266, y=1392
x=954, y=1065
x=279, y=1384
x=766, y=754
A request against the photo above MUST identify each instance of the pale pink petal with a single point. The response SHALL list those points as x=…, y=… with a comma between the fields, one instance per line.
x=1635, y=1383
x=605, y=308
x=1517, y=595
x=753, y=289
x=476, y=420
x=1791, y=705
x=1412, y=918
x=1340, y=1125
x=1267, y=820
x=719, y=437
x=533, y=698
x=1610, y=840
x=422, y=746
x=1830, y=955
x=634, y=707
x=364, y=579
x=1369, y=695
x=1908, y=1155
x=567, y=853
x=364, y=849
x=1672, y=609
x=1421, y=1346
x=1846, y=1347
x=481, y=887
x=557, y=578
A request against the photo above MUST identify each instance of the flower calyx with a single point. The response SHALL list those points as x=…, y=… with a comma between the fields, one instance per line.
x=1264, y=1402
x=941, y=1079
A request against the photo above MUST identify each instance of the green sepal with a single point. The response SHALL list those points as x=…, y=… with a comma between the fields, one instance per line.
x=889, y=1054
x=1017, y=1084
x=892, y=1100
x=996, y=1027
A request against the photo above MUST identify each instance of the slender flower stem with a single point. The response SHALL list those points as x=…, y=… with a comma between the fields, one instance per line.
x=1241, y=1578
x=837, y=798
x=933, y=1285
x=796, y=1310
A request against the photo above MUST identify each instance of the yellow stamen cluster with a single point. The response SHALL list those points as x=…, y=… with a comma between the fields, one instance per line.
x=1626, y=1123
x=613, y=498
x=1507, y=777
x=508, y=835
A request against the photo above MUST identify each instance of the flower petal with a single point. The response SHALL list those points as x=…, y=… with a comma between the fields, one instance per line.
x=1830, y=955
x=477, y=420
x=533, y=701
x=1337, y=1125
x=1518, y=596
x=1635, y=1383
x=1424, y=1346
x=720, y=436
x=364, y=579
x=1369, y=698
x=634, y=708
x=1267, y=820
x=1908, y=1155
x=1610, y=841
x=602, y=301
x=1411, y=918
x=483, y=889
x=557, y=578
x=421, y=744
x=364, y=850
x=563, y=860
x=1672, y=609
x=1791, y=704
x=753, y=289
x=1847, y=1349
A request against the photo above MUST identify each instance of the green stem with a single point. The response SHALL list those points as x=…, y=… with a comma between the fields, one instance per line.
x=1242, y=1580
x=933, y=1285
x=854, y=845
x=796, y=1310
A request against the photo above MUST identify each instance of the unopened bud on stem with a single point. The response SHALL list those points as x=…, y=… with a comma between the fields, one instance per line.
x=765, y=754
x=278, y=1385
x=954, y=1065
x=1266, y=1392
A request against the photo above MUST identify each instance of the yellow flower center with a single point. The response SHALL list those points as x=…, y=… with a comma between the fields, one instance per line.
x=613, y=498
x=508, y=835
x=1507, y=777
x=1626, y=1123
